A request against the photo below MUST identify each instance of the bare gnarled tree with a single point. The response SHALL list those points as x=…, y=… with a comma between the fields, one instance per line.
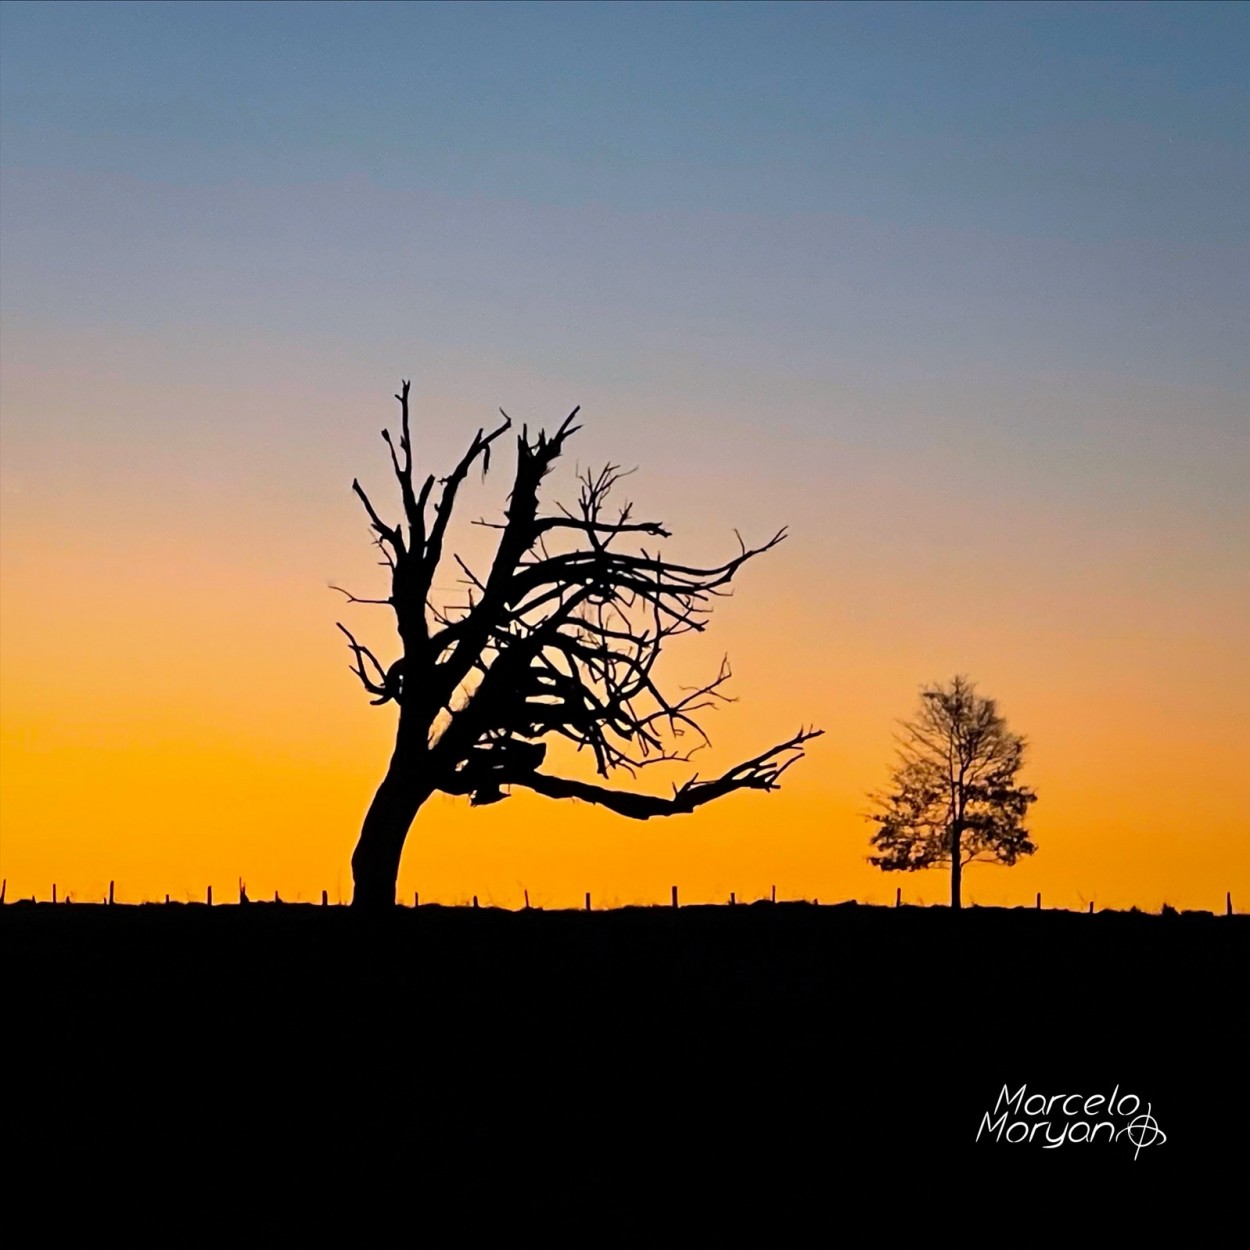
x=559, y=637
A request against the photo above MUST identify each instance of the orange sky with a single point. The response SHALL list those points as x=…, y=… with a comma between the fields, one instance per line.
x=177, y=709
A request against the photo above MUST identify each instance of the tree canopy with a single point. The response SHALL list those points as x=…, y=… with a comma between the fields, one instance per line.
x=954, y=797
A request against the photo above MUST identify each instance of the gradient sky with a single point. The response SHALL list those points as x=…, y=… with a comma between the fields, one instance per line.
x=956, y=291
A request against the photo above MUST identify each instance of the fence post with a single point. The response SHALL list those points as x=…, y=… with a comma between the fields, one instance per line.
x=774, y=894
x=210, y=895
x=276, y=899
x=166, y=898
x=475, y=900
x=325, y=898
x=54, y=891
x=674, y=896
x=110, y=894
x=898, y=896
x=1039, y=900
x=732, y=899
x=527, y=899
x=1091, y=906
x=416, y=898
x=587, y=900
x=1228, y=902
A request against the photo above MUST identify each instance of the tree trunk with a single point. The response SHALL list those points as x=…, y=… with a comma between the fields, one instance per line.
x=957, y=869
x=375, y=861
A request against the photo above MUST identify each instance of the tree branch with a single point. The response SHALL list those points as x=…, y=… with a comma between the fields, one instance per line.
x=385, y=532
x=351, y=598
x=447, y=501
x=761, y=773
x=383, y=686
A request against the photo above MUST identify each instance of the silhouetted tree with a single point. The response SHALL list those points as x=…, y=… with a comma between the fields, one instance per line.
x=559, y=637
x=954, y=796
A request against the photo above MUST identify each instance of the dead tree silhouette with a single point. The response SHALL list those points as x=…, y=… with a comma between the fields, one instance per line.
x=558, y=639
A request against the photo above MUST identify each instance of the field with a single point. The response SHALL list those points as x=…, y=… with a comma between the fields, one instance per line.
x=766, y=1050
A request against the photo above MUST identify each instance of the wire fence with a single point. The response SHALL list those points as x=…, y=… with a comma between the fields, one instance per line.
x=243, y=899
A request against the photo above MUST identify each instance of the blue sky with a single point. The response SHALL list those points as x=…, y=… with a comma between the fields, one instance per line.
x=1082, y=121
x=1009, y=236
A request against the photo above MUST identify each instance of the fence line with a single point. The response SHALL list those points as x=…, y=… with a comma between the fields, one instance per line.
x=110, y=900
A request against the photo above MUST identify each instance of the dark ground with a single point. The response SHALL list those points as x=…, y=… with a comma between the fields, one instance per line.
x=783, y=1054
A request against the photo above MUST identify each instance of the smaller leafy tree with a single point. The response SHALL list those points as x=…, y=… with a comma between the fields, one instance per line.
x=955, y=797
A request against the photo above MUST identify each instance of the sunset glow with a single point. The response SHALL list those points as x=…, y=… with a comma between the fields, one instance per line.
x=994, y=383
